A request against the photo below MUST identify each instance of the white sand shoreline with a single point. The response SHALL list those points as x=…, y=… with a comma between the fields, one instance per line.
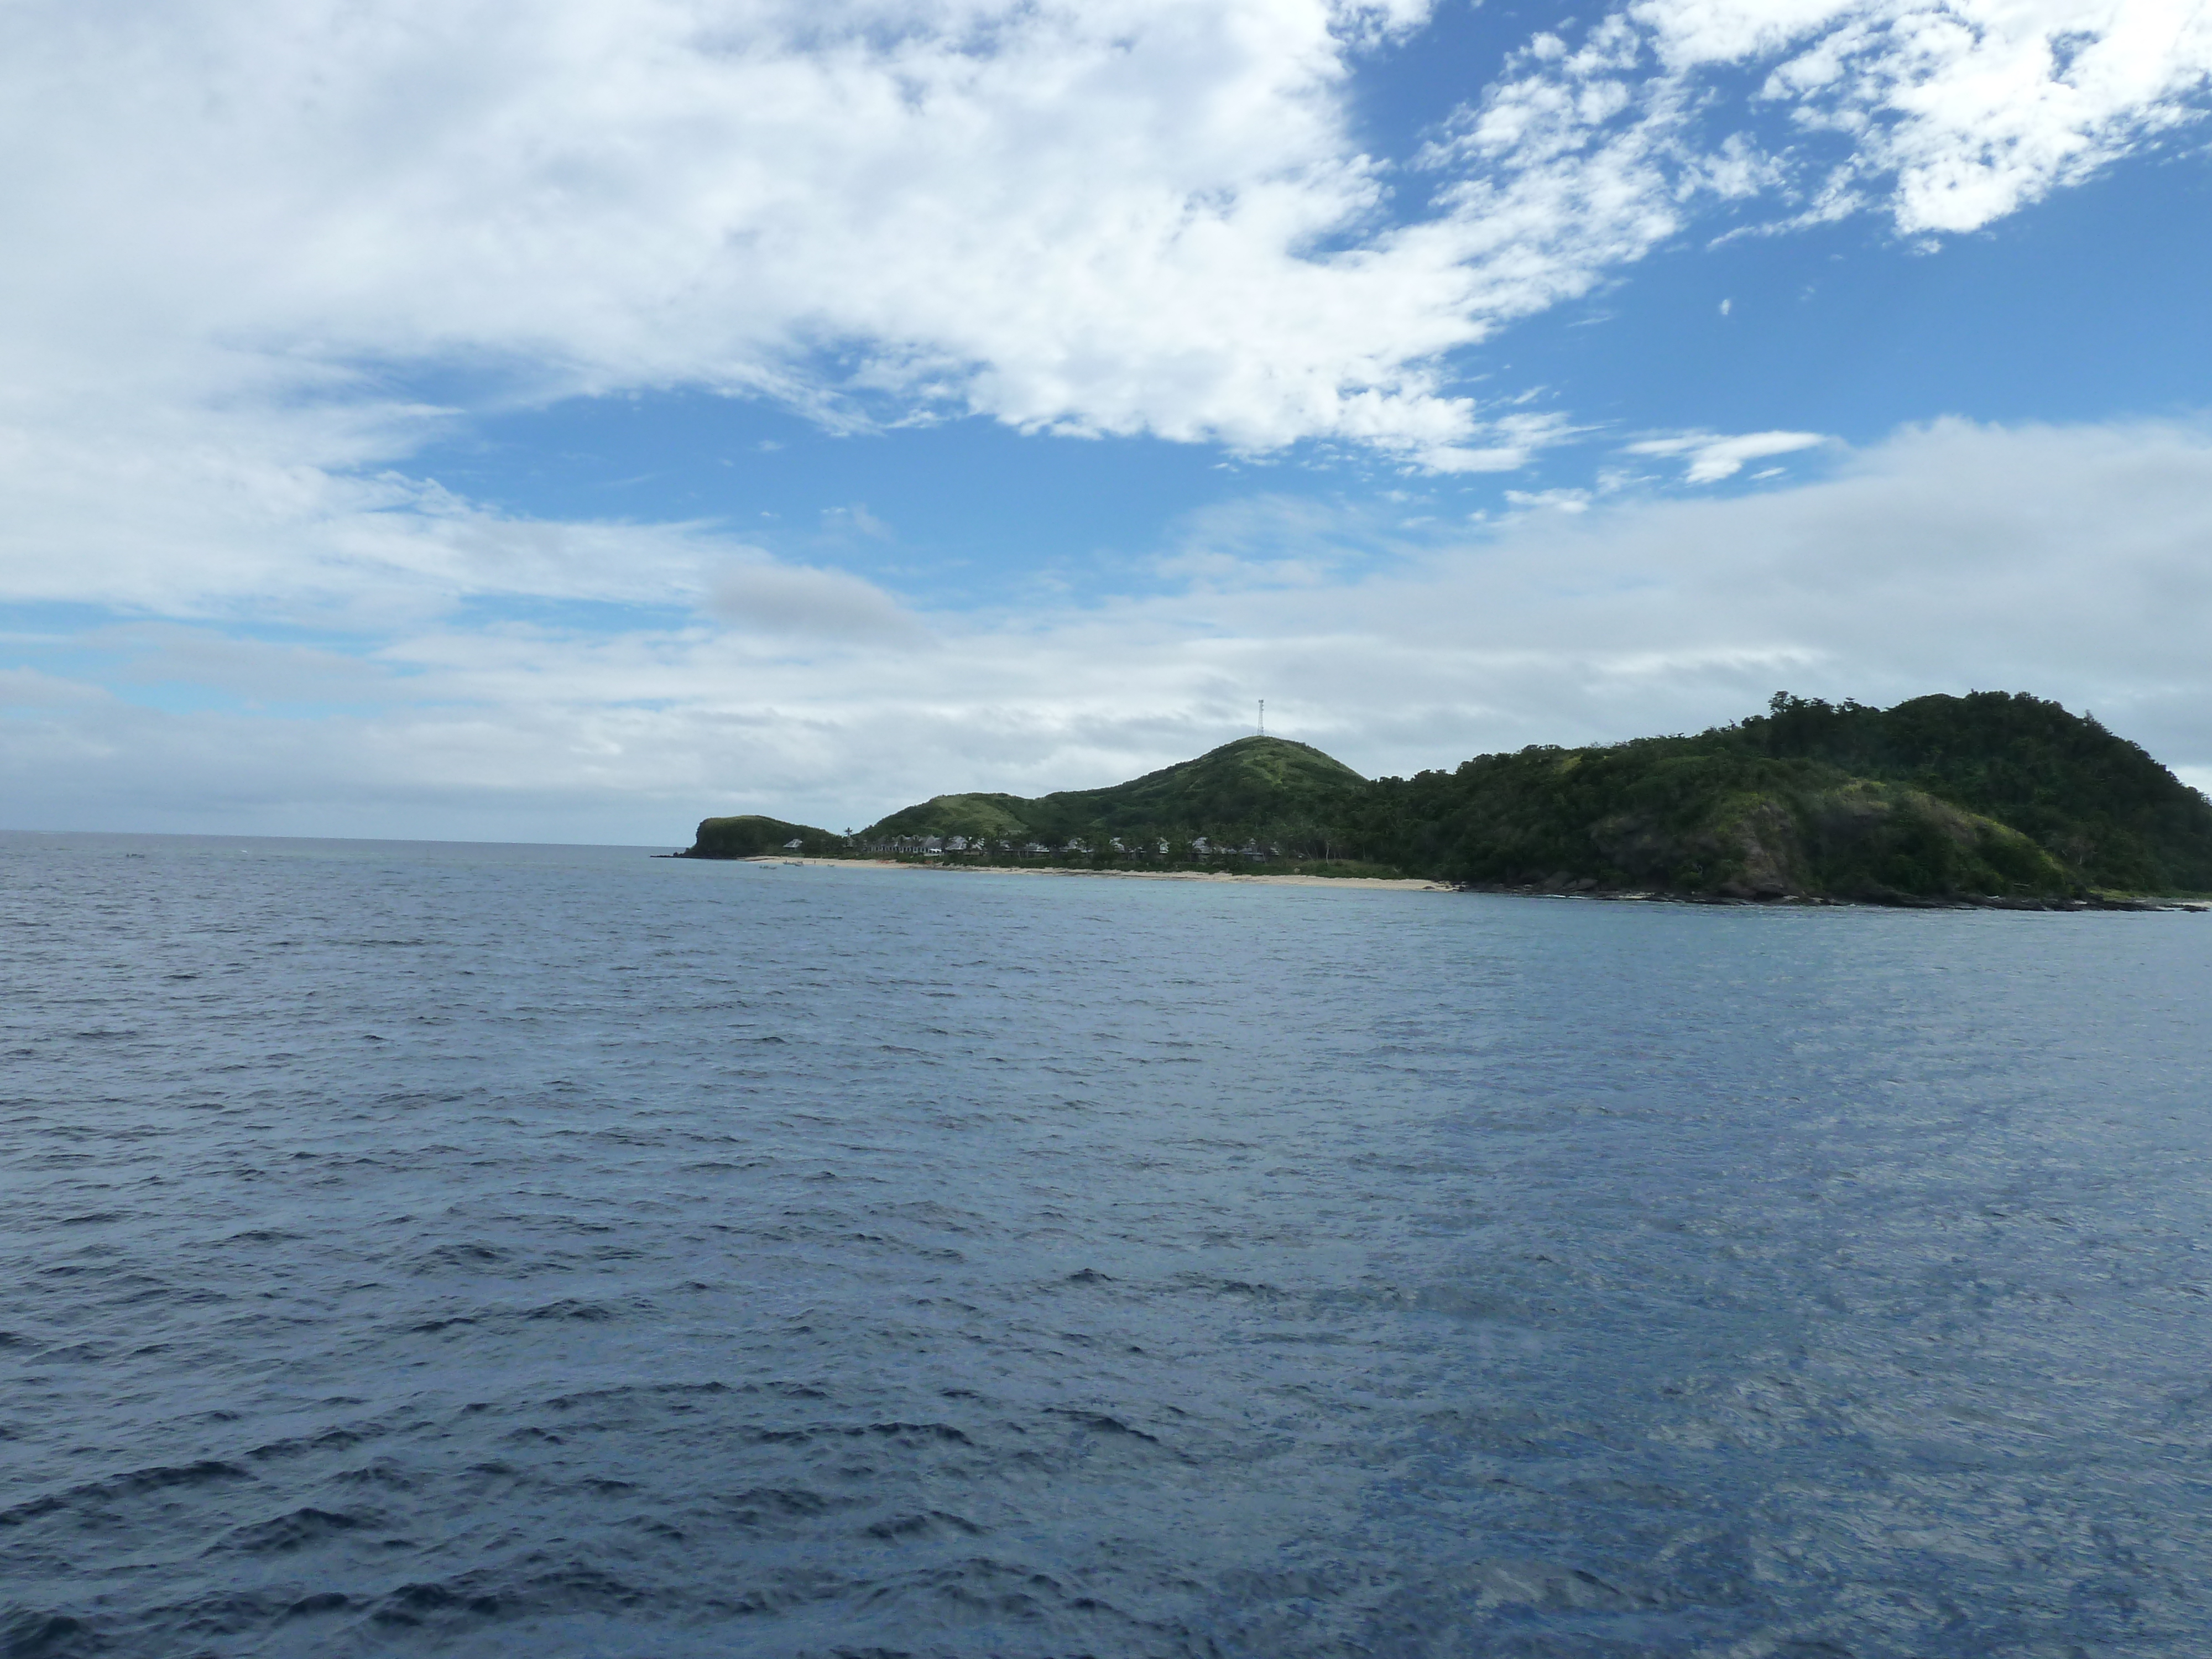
x=1417, y=885
x=1364, y=882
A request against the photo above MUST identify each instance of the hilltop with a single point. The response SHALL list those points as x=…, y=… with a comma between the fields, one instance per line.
x=1994, y=795
x=1255, y=787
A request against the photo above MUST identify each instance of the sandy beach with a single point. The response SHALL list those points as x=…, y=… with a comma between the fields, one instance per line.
x=1361, y=882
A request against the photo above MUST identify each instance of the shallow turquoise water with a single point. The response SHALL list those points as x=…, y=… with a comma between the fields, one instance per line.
x=492, y=1250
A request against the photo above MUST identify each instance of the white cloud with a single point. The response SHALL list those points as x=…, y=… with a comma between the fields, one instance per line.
x=1107, y=216
x=2067, y=561
x=1095, y=216
x=1955, y=112
x=1563, y=500
x=1711, y=458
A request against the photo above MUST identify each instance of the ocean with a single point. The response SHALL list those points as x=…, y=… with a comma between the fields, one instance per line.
x=420, y=1249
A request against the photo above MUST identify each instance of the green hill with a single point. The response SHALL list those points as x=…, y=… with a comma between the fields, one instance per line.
x=998, y=817
x=1254, y=788
x=750, y=835
x=1659, y=814
x=2098, y=803
x=1992, y=794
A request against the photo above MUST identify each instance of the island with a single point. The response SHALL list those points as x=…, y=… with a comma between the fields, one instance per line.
x=1993, y=798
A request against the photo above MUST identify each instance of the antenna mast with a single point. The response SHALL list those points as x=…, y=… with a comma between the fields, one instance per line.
x=1263, y=717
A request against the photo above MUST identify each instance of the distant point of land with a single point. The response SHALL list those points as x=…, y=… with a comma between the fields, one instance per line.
x=1993, y=798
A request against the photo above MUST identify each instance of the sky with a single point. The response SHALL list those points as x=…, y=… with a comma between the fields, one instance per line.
x=560, y=423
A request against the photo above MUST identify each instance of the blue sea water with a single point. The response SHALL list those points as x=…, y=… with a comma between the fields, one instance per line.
x=477, y=1250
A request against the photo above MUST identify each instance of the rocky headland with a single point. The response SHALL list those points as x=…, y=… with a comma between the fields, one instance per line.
x=1994, y=799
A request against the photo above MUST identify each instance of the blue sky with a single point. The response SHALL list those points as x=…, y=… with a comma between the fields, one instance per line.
x=2088, y=308
x=420, y=423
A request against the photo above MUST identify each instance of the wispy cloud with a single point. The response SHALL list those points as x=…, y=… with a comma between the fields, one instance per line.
x=1709, y=458
x=1952, y=114
x=1562, y=501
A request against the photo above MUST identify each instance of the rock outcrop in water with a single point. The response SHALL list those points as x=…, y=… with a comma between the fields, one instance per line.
x=1989, y=797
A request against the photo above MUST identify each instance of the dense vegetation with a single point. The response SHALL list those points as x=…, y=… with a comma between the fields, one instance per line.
x=1992, y=794
x=2097, y=803
x=1657, y=815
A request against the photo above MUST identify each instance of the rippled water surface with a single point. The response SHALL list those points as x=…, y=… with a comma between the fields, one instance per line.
x=438, y=1249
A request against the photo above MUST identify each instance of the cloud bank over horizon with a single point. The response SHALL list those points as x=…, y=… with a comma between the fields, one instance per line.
x=1952, y=557
x=279, y=251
